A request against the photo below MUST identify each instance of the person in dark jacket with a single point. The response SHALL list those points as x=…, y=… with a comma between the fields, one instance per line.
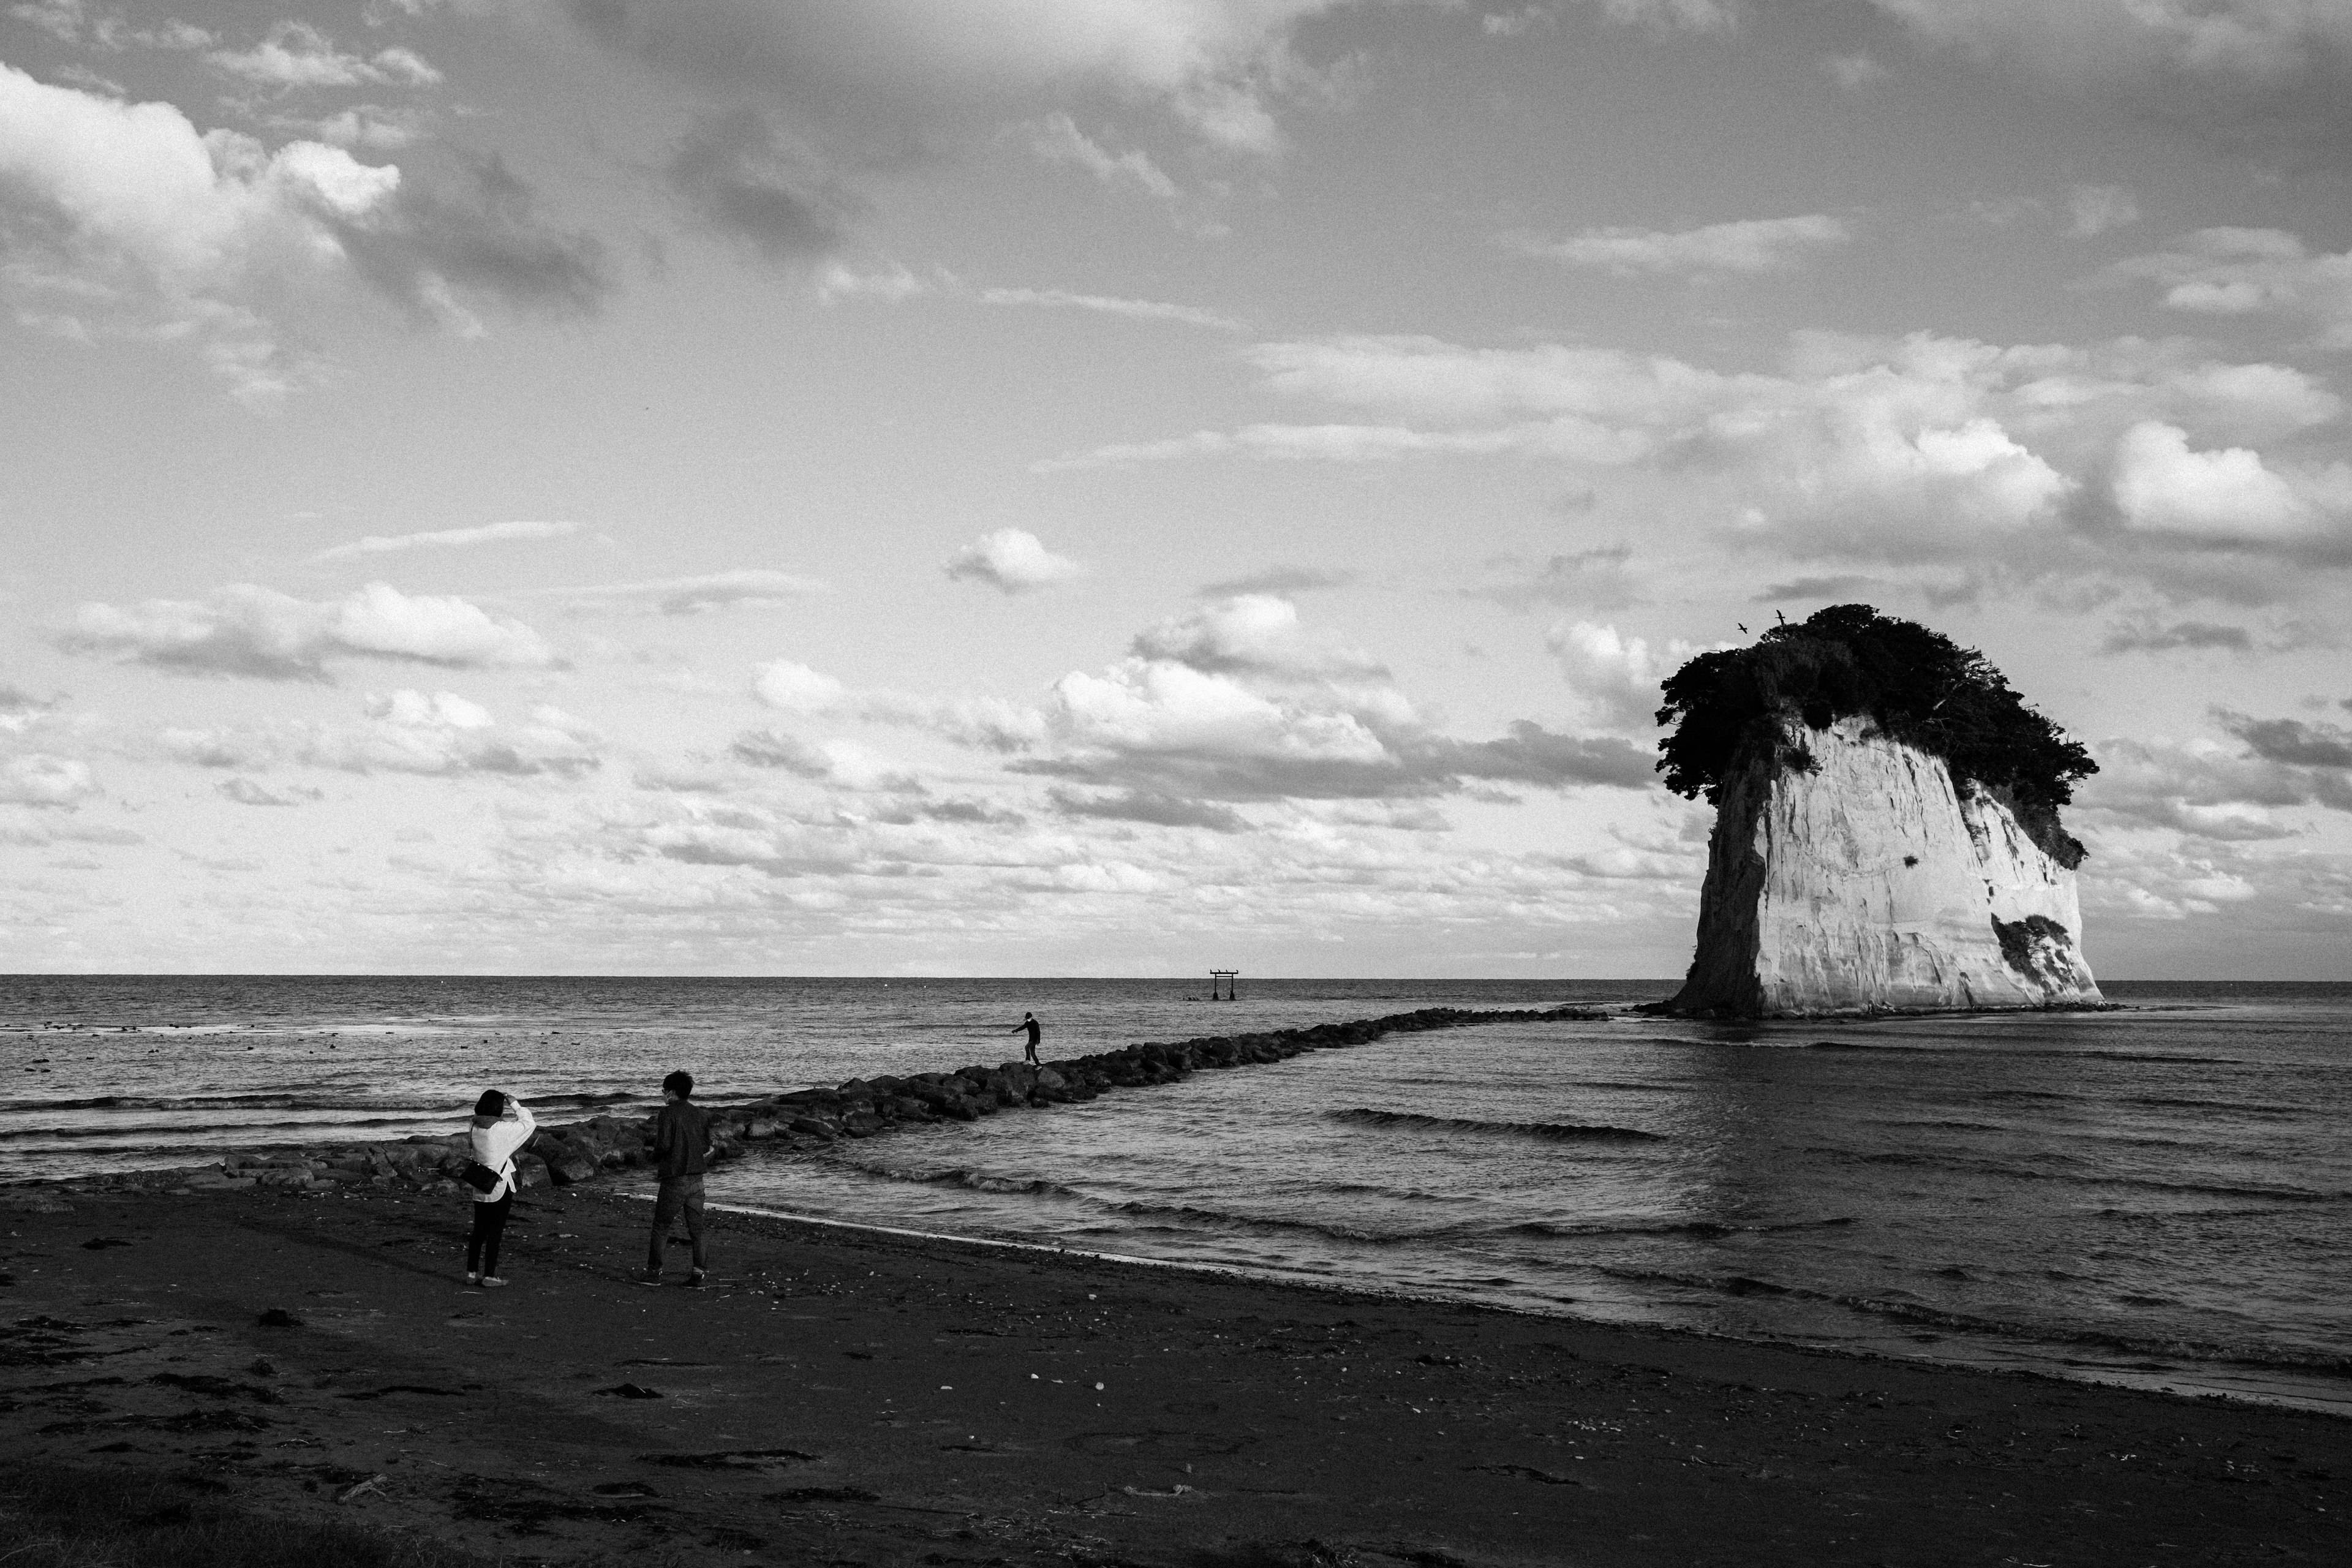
x=682, y=1154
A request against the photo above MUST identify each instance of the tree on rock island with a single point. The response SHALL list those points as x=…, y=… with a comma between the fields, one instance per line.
x=1917, y=686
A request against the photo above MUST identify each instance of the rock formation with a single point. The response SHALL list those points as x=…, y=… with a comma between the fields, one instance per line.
x=1870, y=883
x=1887, y=833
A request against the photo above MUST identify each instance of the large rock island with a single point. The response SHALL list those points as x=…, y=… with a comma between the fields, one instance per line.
x=1887, y=833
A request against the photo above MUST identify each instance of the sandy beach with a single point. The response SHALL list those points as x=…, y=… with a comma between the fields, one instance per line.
x=845, y=1396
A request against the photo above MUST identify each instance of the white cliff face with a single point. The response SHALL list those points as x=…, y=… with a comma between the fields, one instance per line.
x=1870, y=885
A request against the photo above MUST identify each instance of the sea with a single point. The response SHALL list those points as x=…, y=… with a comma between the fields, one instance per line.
x=2157, y=1195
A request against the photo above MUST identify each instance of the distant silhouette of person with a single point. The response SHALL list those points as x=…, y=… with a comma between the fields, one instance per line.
x=1036, y=1032
x=682, y=1153
x=501, y=1126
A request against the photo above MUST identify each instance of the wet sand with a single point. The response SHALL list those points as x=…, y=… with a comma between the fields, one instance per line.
x=844, y=1396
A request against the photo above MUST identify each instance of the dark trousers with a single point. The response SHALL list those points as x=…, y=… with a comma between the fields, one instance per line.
x=490, y=1229
x=677, y=1194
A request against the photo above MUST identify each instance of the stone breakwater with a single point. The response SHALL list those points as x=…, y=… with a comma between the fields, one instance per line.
x=808, y=1118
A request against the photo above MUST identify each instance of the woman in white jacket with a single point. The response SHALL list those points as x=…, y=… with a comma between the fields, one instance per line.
x=502, y=1125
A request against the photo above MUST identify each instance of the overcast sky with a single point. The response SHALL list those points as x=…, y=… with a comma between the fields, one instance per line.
x=1125, y=486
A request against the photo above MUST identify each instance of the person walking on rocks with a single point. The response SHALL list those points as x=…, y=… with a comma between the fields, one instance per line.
x=682, y=1153
x=1037, y=1031
x=501, y=1126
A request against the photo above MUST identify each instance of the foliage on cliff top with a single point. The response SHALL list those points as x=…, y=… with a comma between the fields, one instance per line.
x=1917, y=686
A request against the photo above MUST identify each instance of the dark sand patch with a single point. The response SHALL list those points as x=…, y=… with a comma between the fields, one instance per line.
x=847, y=1397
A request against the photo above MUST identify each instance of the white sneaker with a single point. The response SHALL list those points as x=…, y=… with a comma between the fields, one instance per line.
x=492, y=1279
x=472, y=1277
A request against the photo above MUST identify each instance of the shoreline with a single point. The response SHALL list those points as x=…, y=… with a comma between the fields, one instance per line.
x=2169, y=1383
x=840, y=1395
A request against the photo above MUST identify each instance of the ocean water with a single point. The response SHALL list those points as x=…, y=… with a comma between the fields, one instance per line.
x=2159, y=1195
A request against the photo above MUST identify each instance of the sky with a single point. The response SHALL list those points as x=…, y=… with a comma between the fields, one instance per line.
x=1128, y=487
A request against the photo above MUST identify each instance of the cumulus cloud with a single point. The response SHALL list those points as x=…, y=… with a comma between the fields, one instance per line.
x=2164, y=486
x=1619, y=676
x=437, y=734
x=1858, y=450
x=1258, y=633
x=1235, y=704
x=2211, y=789
x=1747, y=248
x=1011, y=560
x=2254, y=271
x=447, y=539
x=296, y=55
x=122, y=220
x=258, y=633
x=796, y=688
x=46, y=782
x=751, y=588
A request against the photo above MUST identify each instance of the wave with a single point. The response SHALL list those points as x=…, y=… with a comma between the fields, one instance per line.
x=2023, y=1172
x=972, y=1181
x=2056, y=1334
x=1705, y=1229
x=1557, y=1132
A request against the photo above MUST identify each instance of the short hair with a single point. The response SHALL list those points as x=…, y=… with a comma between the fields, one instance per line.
x=680, y=1084
x=492, y=1103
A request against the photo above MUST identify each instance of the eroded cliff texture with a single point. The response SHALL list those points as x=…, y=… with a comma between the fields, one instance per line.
x=1868, y=884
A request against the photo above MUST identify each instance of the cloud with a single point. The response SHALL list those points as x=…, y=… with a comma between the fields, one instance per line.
x=1673, y=16
x=296, y=55
x=1277, y=580
x=46, y=782
x=245, y=792
x=872, y=72
x=2254, y=271
x=1617, y=675
x=2266, y=74
x=751, y=588
x=1235, y=704
x=841, y=762
x=2296, y=743
x=122, y=220
x=896, y=284
x=2163, y=486
x=1253, y=633
x=1595, y=578
x=743, y=179
x=797, y=689
x=2207, y=789
x=447, y=539
x=20, y=711
x=2153, y=638
x=1160, y=810
x=1057, y=139
x=1854, y=71
x=1744, y=249
x=438, y=734
x=1011, y=560
x=2095, y=209
x=1859, y=450
x=255, y=632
